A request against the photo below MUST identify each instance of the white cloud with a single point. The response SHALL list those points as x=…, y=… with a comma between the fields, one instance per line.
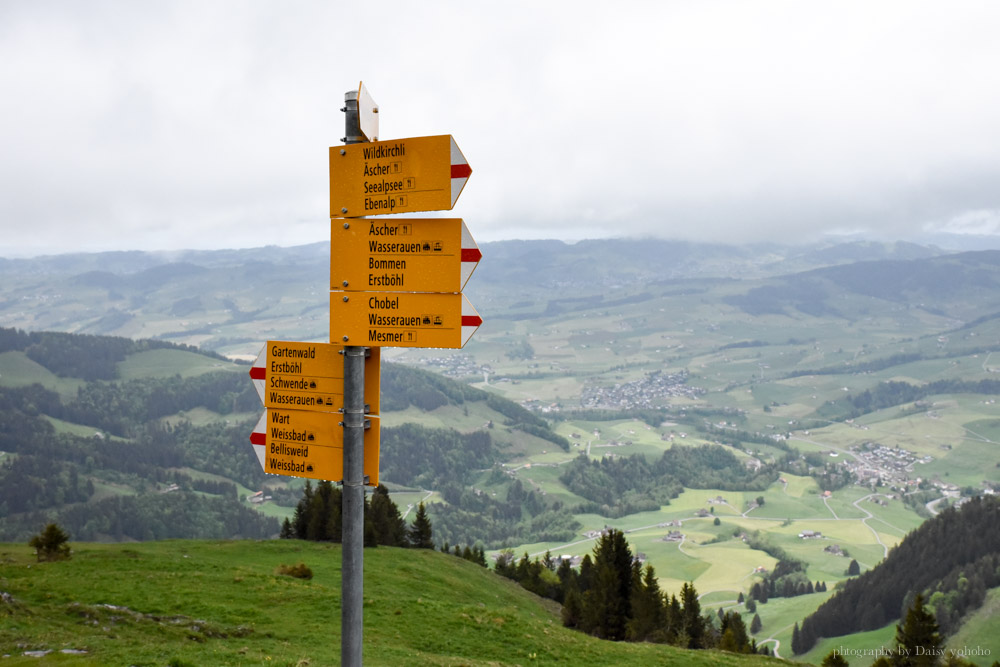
x=192, y=124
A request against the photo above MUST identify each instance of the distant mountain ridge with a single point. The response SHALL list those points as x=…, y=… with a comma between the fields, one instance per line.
x=221, y=299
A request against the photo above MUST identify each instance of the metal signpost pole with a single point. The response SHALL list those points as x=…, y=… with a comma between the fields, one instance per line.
x=353, y=508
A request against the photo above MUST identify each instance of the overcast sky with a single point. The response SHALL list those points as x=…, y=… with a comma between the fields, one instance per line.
x=146, y=125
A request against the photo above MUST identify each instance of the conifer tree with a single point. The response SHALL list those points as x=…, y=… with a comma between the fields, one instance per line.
x=390, y=529
x=571, y=610
x=421, y=533
x=566, y=573
x=673, y=622
x=300, y=519
x=647, y=606
x=504, y=564
x=521, y=570
x=606, y=607
x=917, y=638
x=834, y=659
x=755, y=624
x=586, y=578
x=692, y=623
x=733, y=634
x=796, y=640
x=51, y=544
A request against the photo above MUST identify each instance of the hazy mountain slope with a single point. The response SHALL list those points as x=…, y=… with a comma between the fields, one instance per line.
x=224, y=300
x=92, y=428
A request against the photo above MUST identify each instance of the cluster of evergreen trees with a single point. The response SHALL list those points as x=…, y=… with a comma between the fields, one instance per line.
x=786, y=579
x=318, y=517
x=613, y=596
x=474, y=554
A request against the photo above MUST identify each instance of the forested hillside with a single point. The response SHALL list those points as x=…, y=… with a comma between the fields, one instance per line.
x=118, y=459
x=953, y=560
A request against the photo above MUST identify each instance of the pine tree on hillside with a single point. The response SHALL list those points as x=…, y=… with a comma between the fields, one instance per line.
x=692, y=622
x=796, y=640
x=586, y=578
x=420, y=533
x=606, y=606
x=834, y=659
x=572, y=610
x=51, y=544
x=733, y=634
x=647, y=606
x=300, y=519
x=388, y=524
x=917, y=638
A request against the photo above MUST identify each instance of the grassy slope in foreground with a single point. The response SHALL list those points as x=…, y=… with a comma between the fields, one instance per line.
x=221, y=603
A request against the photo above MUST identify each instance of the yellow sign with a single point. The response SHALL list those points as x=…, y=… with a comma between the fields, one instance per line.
x=297, y=443
x=309, y=376
x=399, y=176
x=402, y=319
x=402, y=255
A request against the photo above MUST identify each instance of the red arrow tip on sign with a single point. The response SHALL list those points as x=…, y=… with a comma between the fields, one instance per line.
x=461, y=171
x=471, y=254
x=471, y=321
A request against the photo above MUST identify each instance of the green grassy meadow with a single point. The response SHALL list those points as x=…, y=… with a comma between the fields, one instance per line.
x=224, y=603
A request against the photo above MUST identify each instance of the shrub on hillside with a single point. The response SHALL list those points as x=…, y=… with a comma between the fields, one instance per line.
x=51, y=544
x=300, y=571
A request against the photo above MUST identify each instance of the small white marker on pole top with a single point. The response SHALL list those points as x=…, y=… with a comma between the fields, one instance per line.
x=367, y=114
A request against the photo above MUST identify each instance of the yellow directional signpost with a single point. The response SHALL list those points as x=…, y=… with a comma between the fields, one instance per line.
x=310, y=376
x=400, y=176
x=402, y=319
x=402, y=255
x=394, y=283
x=309, y=444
